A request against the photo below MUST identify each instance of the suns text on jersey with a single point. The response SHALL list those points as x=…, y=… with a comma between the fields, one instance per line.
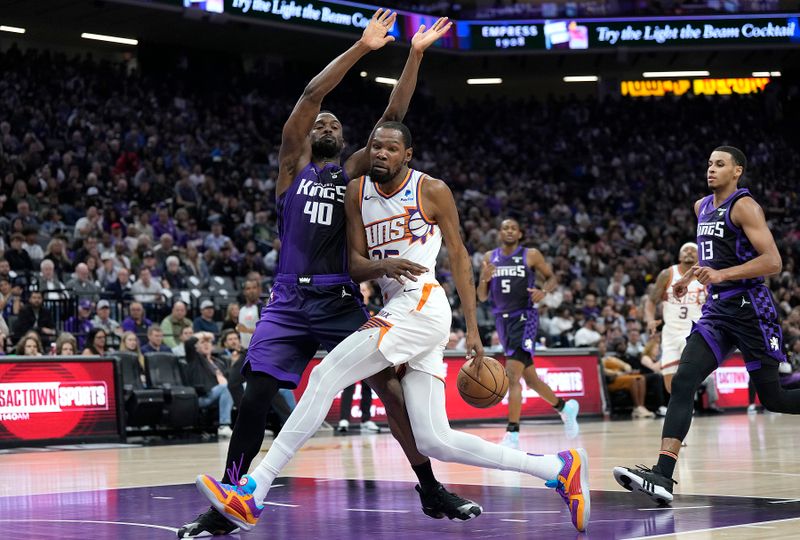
x=389, y=230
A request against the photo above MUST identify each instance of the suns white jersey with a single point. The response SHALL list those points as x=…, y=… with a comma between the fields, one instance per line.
x=680, y=313
x=397, y=226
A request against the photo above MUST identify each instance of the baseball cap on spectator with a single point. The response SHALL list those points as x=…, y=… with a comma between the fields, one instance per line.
x=116, y=225
x=103, y=304
x=206, y=304
x=106, y=256
x=147, y=254
x=92, y=191
x=85, y=304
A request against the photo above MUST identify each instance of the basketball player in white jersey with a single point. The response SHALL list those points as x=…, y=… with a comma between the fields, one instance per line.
x=678, y=313
x=396, y=220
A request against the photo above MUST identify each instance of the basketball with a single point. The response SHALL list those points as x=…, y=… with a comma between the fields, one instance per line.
x=486, y=388
x=417, y=225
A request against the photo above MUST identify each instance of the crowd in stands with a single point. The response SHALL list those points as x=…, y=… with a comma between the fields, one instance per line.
x=144, y=205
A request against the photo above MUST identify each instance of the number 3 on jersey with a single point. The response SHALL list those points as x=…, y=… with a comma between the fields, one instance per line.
x=320, y=212
x=707, y=250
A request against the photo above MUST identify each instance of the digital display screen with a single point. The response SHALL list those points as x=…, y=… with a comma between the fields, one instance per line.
x=699, y=87
x=58, y=399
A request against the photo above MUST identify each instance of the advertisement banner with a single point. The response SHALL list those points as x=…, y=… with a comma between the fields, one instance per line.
x=732, y=380
x=598, y=34
x=571, y=375
x=699, y=87
x=57, y=399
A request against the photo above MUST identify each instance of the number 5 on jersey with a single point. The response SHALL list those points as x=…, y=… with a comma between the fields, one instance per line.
x=320, y=212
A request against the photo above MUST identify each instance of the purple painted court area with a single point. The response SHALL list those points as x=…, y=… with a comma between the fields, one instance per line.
x=358, y=509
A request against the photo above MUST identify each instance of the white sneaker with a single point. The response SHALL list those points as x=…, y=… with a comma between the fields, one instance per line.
x=343, y=426
x=751, y=409
x=641, y=412
x=370, y=427
x=662, y=411
x=569, y=415
x=511, y=440
x=224, y=432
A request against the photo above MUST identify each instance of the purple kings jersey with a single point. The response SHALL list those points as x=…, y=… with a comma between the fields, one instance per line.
x=312, y=222
x=508, y=289
x=720, y=243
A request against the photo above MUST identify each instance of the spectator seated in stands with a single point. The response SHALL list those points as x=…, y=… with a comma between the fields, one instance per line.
x=146, y=289
x=654, y=381
x=81, y=324
x=205, y=322
x=96, y=343
x=209, y=372
x=81, y=285
x=18, y=259
x=107, y=273
x=621, y=376
x=120, y=290
x=34, y=316
x=49, y=283
x=130, y=343
x=29, y=345
x=155, y=340
x=179, y=350
x=66, y=345
x=173, y=278
x=136, y=322
x=588, y=335
x=174, y=323
x=103, y=320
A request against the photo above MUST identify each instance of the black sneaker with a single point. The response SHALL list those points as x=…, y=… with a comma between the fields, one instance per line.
x=643, y=480
x=440, y=503
x=210, y=523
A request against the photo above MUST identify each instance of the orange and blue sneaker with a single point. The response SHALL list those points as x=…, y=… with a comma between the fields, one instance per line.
x=235, y=502
x=572, y=483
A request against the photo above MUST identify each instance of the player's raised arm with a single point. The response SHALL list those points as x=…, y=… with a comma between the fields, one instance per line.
x=294, y=142
x=438, y=200
x=654, y=298
x=748, y=215
x=536, y=261
x=400, y=99
x=362, y=268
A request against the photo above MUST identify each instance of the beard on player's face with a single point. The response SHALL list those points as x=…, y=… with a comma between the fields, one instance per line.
x=381, y=173
x=326, y=147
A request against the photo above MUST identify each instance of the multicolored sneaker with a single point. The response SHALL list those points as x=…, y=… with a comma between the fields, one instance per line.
x=209, y=523
x=511, y=440
x=572, y=484
x=235, y=502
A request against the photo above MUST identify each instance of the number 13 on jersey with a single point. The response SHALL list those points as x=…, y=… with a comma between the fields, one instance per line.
x=707, y=250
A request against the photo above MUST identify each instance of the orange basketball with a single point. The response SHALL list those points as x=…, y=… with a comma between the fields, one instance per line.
x=486, y=388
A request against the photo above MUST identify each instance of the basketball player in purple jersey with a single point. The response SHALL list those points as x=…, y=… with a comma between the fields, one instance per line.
x=314, y=302
x=508, y=280
x=736, y=252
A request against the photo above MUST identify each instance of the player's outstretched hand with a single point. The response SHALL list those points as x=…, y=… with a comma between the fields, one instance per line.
x=397, y=268
x=474, y=350
x=425, y=38
x=374, y=35
x=487, y=271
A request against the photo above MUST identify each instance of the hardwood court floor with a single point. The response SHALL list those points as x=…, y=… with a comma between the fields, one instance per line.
x=738, y=479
